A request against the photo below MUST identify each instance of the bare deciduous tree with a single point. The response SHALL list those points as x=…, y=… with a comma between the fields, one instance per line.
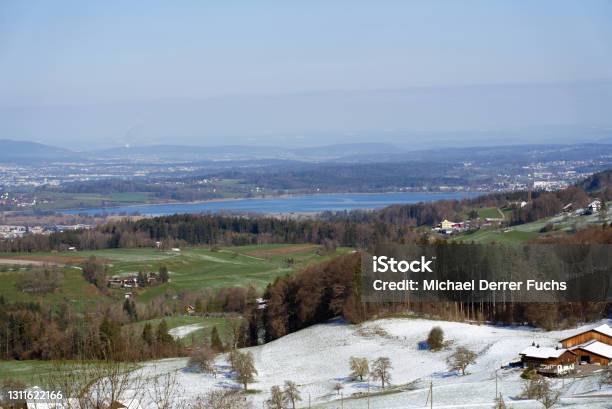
x=292, y=393
x=221, y=399
x=381, y=370
x=338, y=387
x=245, y=368
x=277, y=399
x=460, y=359
x=164, y=390
x=203, y=360
x=96, y=385
x=234, y=333
x=359, y=367
x=539, y=388
x=606, y=378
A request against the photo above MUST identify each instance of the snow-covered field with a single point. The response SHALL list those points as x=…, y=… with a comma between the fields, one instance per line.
x=317, y=358
x=184, y=330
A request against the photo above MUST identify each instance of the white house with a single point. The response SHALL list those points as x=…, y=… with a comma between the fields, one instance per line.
x=594, y=206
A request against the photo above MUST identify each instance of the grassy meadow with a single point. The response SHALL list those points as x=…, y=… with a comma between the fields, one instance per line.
x=191, y=269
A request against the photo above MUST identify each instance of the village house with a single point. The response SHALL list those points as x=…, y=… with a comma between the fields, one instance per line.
x=262, y=304
x=115, y=283
x=190, y=310
x=601, y=333
x=593, y=346
x=11, y=232
x=122, y=282
x=446, y=225
x=567, y=208
x=594, y=206
x=594, y=352
x=548, y=360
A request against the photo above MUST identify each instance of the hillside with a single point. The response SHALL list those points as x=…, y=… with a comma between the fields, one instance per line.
x=21, y=151
x=317, y=358
x=597, y=182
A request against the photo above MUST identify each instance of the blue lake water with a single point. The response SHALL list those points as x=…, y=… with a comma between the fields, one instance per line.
x=291, y=204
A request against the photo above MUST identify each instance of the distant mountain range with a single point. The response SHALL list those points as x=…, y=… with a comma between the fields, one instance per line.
x=20, y=152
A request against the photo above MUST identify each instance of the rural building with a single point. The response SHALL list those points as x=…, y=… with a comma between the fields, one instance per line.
x=446, y=225
x=594, y=206
x=152, y=279
x=115, y=283
x=122, y=282
x=190, y=310
x=262, y=304
x=517, y=204
x=594, y=352
x=602, y=333
x=548, y=360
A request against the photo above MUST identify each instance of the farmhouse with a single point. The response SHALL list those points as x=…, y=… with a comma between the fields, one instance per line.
x=446, y=225
x=262, y=304
x=601, y=333
x=594, y=352
x=122, y=282
x=567, y=208
x=548, y=360
x=594, y=206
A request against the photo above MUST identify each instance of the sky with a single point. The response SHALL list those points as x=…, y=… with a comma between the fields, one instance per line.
x=77, y=73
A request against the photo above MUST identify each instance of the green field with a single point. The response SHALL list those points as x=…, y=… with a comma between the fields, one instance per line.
x=72, y=289
x=489, y=213
x=59, y=200
x=28, y=372
x=529, y=231
x=495, y=235
x=37, y=372
x=191, y=269
x=484, y=213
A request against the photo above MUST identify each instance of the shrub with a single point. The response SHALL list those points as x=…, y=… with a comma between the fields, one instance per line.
x=435, y=339
x=203, y=360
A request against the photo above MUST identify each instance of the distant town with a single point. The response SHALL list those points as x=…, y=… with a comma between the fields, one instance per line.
x=42, y=185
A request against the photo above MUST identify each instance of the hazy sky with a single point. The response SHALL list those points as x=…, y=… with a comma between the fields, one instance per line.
x=81, y=71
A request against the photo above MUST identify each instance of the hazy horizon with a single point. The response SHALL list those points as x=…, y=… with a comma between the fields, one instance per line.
x=419, y=73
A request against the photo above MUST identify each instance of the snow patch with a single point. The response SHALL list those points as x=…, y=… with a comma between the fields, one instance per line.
x=184, y=330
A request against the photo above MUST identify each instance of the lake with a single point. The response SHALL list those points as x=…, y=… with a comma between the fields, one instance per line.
x=290, y=204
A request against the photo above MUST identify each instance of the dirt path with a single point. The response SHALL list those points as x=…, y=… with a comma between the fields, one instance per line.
x=282, y=250
x=20, y=262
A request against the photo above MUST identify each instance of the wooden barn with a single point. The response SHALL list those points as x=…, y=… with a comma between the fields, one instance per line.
x=594, y=352
x=548, y=360
x=603, y=333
